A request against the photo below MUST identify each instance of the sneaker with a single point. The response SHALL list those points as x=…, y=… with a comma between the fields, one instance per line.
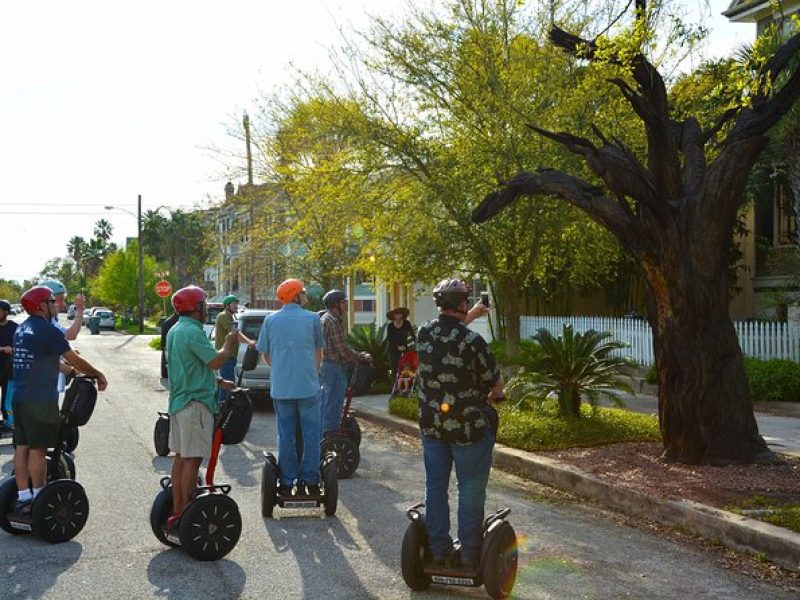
x=173, y=521
x=285, y=491
x=312, y=489
x=23, y=508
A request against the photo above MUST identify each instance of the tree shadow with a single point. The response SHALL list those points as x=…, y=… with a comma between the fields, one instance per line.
x=32, y=566
x=175, y=574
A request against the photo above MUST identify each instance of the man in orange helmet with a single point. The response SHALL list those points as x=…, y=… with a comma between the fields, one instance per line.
x=291, y=341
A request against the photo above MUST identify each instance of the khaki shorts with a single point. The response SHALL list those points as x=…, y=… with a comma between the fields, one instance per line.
x=191, y=431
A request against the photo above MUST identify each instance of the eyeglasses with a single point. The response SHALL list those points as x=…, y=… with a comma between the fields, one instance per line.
x=51, y=300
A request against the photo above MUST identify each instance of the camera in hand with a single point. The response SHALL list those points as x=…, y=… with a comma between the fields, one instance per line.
x=485, y=299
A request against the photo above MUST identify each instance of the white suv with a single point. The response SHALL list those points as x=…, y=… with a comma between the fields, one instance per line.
x=250, y=322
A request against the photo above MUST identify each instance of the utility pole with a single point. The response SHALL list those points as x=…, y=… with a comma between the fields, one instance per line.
x=246, y=124
x=141, y=266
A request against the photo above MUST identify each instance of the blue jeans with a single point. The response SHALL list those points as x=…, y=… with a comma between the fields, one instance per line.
x=227, y=371
x=473, y=463
x=290, y=413
x=333, y=379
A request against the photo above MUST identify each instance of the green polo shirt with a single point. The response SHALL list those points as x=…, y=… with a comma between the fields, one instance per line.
x=188, y=355
x=222, y=328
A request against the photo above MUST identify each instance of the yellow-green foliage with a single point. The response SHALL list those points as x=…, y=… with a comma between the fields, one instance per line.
x=529, y=431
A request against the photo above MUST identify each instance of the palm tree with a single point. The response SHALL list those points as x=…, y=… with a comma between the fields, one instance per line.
x=103, y=230
x=571, y=366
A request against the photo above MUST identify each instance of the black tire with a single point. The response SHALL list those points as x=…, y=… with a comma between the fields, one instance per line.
x=71, y=437
x=353, y=429
x=330, y=479
x=60, y=511
x=269, y=481
x=69, y=465
x=347, y=453
x=162, y=508
x=60, y=469
x=8, y=497
x=499, y=568
x=161, y=436
x=412, y=555
x=210, y=527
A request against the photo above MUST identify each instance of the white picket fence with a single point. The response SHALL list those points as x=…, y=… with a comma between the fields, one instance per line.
x=757, y=339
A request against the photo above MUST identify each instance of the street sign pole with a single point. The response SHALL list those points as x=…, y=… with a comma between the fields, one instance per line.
x=141, y=267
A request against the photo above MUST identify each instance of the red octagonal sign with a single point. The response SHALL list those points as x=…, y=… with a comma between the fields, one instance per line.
x=163, y=288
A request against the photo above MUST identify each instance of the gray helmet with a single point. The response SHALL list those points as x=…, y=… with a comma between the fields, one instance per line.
x=449, y=293
x=333, y=297
x=4, y=305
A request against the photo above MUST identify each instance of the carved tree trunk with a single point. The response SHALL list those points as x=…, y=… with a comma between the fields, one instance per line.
x=675, y=215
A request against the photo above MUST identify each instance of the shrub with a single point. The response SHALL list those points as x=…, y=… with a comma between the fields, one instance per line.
x=536, y=432
x=573, y=366
x=155, y=343
x=774, y=379
x=529, y=354
x=372, y=339
x=651, y=376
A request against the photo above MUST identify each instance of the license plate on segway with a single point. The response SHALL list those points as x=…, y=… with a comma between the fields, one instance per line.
x=448, y=580
x=299, y=504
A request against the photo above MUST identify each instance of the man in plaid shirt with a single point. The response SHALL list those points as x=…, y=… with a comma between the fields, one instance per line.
x=336, y=357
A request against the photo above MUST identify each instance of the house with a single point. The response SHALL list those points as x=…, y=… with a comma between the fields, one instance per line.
x=772, y=250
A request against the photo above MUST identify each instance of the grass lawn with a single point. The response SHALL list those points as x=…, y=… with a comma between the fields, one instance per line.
x=769, y=510
x=132, y=327
x=525, y=430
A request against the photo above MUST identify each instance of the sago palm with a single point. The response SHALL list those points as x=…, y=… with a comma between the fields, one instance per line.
x=572, y=366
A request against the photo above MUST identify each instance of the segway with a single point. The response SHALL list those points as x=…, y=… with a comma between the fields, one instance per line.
x=210, y=525
x=328, y=497
x=497, y=570
x=61, y=509
x=345, y=442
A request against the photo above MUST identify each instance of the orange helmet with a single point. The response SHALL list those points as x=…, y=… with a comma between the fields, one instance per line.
x=287, y=291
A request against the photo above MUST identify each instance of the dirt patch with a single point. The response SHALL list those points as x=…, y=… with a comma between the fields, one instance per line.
x=637, y=466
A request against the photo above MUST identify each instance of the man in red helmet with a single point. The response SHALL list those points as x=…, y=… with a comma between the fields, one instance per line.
x=192, y=362
x=38, y=347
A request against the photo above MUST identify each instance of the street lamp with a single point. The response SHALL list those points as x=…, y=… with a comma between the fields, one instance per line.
x=138, y=217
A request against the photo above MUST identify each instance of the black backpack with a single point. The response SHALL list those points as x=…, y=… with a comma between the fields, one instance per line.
x=79, y=401
x=234, y=420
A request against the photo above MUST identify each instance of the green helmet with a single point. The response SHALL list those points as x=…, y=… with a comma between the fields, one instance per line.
x=229, y=300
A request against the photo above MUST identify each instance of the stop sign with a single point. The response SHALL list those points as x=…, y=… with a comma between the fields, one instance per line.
x=163, y=288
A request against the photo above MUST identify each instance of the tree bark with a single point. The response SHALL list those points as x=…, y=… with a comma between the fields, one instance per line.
x=512, y=302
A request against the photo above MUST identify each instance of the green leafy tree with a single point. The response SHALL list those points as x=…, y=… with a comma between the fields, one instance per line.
x=673, y=206
x=116, y=284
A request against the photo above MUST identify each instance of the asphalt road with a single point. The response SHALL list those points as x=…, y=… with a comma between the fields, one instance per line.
x=567, y=550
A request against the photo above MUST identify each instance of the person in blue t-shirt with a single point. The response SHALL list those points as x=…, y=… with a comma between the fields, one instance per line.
x=291, y=341
x=38, y=348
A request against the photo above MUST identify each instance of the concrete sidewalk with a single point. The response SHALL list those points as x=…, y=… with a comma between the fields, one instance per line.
x=776, y=544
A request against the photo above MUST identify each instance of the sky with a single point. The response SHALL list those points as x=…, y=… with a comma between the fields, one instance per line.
x=103, y=101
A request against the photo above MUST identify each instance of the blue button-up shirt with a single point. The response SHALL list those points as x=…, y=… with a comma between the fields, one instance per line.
x=292, y=337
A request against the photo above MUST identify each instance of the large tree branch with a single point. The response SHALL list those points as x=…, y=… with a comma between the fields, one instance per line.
x=619, y=169
x=650, y=103
x=549, y=182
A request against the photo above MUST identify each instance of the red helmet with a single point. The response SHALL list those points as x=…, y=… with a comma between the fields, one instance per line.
x=287, y=291
x=34, y=297
x=186, y=299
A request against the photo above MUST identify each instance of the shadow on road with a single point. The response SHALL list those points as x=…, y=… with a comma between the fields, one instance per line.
x=175, y=574
x=32, y=568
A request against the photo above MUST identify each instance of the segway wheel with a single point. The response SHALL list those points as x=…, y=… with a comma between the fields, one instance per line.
x=412, y=556
x=210, y=527
x=69, y=465
x=60, y=511
x=347, y=453
x=269, y=481
x=330, y=479
x=353, y=429
x=162, y=509
x=161, y=435
x=500, y=558
x=8, y=497
x=71, y=437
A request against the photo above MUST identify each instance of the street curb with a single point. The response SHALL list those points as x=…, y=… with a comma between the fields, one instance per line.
x=776, y=544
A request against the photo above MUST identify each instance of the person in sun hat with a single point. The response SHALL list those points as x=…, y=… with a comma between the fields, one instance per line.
x=400, y=336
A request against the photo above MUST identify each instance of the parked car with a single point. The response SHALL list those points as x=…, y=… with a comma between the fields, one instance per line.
x=71, y=311
x=16, y=309
x=213, y=311
x=106, y=318
x=256, y=380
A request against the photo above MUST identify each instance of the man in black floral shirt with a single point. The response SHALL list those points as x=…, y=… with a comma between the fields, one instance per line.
x=458, y=378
